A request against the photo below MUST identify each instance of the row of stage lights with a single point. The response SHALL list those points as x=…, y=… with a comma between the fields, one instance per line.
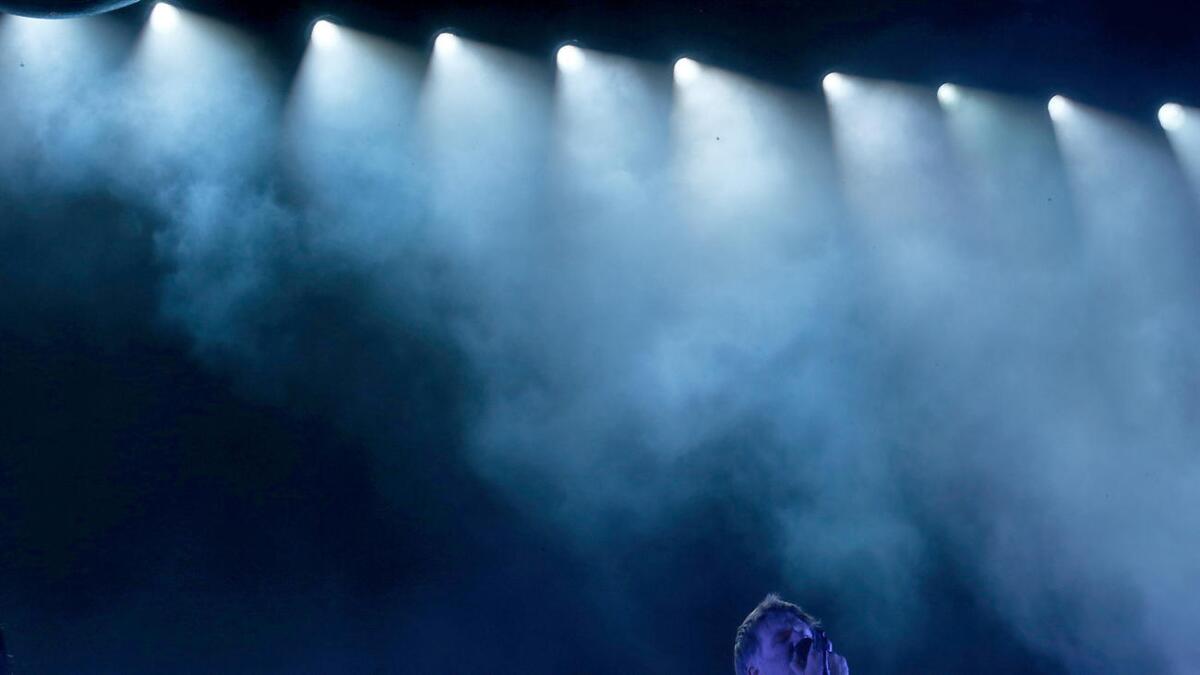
x=325, y=34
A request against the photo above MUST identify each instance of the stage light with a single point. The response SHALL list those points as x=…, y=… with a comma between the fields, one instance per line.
x=324, y=33
x=1171, y=116
x=1059, y=106
x=570, y=58
x=686, y=70
x=948, y=94
x=446, y=43
x=834, y=84
x=164, y=17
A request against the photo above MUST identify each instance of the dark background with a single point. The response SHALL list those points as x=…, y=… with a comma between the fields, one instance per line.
x=240, y=527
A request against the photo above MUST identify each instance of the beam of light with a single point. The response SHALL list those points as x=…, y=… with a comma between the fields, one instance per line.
x=325, y=34
x=611, y=148
x=902, y=179
x=686, y=71
x=1132, y=198
x=1079, y=201
x=1138, y=243
x=1128, y=186
x=949, y=95
x=350, y=141
x=835, y=84
x=446, y=43
x=60, y=101
x=1009, y=150
x=612, y=120
x=164, y=18
x=485, y=123
x=207, y=86
x=1059, y=107
x=783, y=186
x=363, y=76
x=570, y=58
x=756, y=186
x=1171, y=116
x=1184, y=137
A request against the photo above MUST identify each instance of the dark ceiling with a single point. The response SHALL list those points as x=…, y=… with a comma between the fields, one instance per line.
x=1126, y=57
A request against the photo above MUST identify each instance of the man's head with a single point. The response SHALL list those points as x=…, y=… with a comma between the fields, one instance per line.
x=779, y=638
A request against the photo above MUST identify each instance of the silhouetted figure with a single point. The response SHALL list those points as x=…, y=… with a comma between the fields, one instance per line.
x=779, y=638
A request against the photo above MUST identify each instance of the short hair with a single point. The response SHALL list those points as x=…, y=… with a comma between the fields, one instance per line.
x=745, y=644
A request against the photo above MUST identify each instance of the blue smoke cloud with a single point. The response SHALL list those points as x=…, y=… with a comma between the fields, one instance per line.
x=710, y=335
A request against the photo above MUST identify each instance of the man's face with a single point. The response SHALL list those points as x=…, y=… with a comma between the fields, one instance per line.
x=789, y=646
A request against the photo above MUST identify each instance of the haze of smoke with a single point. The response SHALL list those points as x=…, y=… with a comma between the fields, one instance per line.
x=911, y=345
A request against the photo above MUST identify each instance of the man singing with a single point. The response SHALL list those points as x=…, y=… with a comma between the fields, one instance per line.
x=779, y=638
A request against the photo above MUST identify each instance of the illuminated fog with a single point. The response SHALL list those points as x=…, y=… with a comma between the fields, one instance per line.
x=873, y=335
